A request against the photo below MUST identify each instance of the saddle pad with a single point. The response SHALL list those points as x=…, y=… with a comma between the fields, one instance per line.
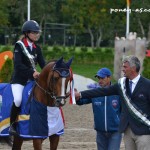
x=35, y=119
x=43, y=121
x=7, y=100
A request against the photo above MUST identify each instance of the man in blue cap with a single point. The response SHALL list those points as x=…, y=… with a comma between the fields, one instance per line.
x=106, y=112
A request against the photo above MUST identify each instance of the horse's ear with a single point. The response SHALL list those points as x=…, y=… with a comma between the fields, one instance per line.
x=69, y=62
x=59, y=61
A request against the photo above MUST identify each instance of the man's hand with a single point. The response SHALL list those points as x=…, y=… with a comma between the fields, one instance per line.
x=77, y=94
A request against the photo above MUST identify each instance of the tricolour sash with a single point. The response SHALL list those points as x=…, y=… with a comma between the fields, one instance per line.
x=25, y=51
x=135, y=112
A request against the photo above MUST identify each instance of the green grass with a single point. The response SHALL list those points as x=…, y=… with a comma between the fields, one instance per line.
x=89, y=70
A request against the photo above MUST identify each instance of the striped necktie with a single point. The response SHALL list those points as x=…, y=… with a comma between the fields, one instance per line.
x=130, y=86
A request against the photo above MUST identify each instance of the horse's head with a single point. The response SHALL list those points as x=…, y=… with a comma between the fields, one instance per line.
x=53, y=81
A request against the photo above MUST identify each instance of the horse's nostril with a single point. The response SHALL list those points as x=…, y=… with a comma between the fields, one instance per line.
x=60, y=102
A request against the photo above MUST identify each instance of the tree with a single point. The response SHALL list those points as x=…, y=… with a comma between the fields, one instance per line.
x=92, y=16
x=146, y=71
x=140, y=18
x=4, y=13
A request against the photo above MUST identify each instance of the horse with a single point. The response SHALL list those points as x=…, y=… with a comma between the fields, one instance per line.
x=44, y=96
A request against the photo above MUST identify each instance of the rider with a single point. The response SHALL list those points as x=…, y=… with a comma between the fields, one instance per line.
x=23, y=68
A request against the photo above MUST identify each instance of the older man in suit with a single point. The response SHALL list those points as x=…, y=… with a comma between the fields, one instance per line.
x=135, y=94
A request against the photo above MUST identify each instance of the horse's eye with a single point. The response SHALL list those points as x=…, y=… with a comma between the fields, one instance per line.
x=56, y=79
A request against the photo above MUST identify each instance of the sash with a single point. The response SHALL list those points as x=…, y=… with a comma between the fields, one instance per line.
x=135, y=112
x=72, y=94
x=25, y=51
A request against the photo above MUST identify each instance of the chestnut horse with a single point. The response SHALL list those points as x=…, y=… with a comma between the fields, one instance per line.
x=50, y=91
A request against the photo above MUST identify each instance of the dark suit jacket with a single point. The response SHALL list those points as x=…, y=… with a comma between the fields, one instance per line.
x=140, y=97
x=23, y=70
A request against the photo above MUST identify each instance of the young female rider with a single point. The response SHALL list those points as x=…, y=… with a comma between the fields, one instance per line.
x=23, y=68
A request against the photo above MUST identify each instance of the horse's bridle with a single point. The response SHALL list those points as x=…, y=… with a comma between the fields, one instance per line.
x=58, y=100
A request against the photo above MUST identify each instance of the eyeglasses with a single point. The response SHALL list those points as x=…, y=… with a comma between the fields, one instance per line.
x=34, y=32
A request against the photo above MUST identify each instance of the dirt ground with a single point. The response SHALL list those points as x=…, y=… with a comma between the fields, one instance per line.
x=79, y=132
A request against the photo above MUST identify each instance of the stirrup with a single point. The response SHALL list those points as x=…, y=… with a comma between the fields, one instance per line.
x=9, y=140
x=12, y=130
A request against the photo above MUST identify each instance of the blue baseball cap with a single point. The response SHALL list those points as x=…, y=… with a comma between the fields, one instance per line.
x=103, y=72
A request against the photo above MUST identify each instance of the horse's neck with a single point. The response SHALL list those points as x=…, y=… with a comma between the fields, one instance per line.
x=41, y=94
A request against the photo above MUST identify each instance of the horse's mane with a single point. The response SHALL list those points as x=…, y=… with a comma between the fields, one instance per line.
x=49, y=63
x=53, y=60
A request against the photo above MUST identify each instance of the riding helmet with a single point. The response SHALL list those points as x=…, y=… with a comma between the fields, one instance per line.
x=31, y=25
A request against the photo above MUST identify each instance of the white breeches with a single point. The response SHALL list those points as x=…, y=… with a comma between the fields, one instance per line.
x=17, y=90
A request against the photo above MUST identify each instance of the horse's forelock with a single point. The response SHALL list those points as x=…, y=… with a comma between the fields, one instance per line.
x=62, y=68
x=61, y=65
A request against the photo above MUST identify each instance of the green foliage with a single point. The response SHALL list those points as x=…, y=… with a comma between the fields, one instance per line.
x=6, y=71
x=146, y=70
x=81, y=54
x=6, y=48
x=87, y=16
x=71, y=49
x=57, y=49
x=4, y=20
x=84, y=49
x=139, y=17
x=86, y=61
x=90, y=16
x=45, y=47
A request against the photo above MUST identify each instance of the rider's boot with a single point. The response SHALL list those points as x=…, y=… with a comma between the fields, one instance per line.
x=13, y=117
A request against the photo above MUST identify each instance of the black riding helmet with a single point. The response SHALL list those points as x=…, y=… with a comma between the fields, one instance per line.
x=30, y=25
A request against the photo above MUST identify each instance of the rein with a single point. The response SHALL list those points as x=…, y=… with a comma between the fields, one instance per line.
x=45, y=91
x=48, y=93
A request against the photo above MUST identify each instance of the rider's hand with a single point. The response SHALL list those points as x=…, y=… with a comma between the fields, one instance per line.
x=36, y=74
